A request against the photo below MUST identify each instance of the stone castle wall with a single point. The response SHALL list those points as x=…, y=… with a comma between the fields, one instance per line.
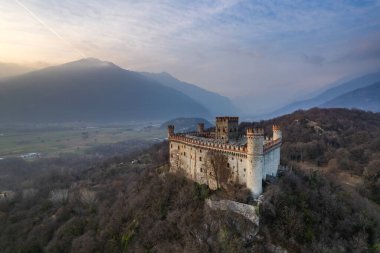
x=249, y=163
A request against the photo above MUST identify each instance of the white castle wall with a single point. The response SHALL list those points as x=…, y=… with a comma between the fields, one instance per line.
x=271, y=162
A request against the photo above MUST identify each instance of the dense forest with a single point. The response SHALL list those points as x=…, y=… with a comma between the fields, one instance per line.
x=125, y=201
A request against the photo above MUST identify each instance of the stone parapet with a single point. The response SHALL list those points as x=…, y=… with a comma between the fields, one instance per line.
x=224, y=147
x=271, y=145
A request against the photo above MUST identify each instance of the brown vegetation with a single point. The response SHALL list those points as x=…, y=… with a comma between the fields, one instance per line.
x=114, y=205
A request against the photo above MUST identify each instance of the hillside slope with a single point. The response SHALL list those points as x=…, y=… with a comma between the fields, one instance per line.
x=217, y=104
x=87, y=204
x=327, y=95
x=90, y=90
x=367, y=98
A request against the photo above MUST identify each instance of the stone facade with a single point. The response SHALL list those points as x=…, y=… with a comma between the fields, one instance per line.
x=251, y=157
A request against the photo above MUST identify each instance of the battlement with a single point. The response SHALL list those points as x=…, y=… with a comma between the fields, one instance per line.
x=207, y=143
x=255, y=131
x=276, y=128
x=271, y=145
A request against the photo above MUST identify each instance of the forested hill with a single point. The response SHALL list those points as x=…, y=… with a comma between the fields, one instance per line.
x=88, y=204
x=338, y=140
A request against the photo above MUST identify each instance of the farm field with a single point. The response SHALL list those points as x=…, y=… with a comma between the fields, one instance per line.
x=50, y=142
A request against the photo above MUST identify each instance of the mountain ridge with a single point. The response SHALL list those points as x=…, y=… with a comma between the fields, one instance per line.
x=217, y=104
x=366, y=98
x=91, y=90
x=328, y=94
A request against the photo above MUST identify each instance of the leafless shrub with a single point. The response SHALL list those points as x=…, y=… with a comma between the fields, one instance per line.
x=87, y=197
x=29, y=193
x=59, y=196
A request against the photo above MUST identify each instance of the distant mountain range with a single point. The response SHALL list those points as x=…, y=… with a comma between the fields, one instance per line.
x=90, y=90
x=332, y=97
x=215, y=103
x=94, y=91
x=367, y=98
x=11, y=69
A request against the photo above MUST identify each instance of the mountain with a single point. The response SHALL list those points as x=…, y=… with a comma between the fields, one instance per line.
x=328, y=94
x=11, y=69
x=90, y=90
x=367, y=98
x=217, y=104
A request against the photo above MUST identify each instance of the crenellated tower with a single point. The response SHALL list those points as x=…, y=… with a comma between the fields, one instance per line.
x=201, y=128
x=170, y=131
x=255, y=160
x=226, y=128
x=277, y=134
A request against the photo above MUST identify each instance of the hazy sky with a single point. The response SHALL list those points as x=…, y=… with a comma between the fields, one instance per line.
x=267, y=52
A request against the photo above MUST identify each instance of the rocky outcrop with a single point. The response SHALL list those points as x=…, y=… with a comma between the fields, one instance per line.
x=248, y=212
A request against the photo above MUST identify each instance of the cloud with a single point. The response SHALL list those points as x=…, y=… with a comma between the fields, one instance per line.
x=237, y=47
x=364, y=48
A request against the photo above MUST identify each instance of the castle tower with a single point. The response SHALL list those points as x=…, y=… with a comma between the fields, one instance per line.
x=277, y=134
x=255, y=160
x=226, y=128
x=170, y=131
x=201, y=128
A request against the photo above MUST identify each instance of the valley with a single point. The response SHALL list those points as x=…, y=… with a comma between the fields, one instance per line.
x=50, y=141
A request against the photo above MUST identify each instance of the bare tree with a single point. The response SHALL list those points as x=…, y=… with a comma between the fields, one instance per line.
x=59, y=196
x=87, y=197
x=217, y=170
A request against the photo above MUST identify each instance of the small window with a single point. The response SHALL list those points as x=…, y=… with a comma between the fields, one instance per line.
x=200, y=151
x=184, y=153
x=201, y=169
x=241, y=160
x=171, y=145
x=228, y=165
x=244, y=169
x=232, y=158
x=171, y=155
x=200, y=159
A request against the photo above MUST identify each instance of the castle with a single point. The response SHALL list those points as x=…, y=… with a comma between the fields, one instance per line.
x=250, y=157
